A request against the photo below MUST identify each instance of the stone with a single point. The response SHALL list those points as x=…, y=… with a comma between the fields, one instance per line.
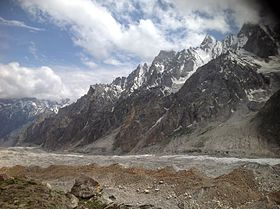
x=3, y=177
x=146, y=191
x=181, y=205
x=85, y=187
x=74, y=201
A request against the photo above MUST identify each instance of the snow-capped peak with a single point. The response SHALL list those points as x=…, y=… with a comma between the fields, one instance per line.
x=208, y=42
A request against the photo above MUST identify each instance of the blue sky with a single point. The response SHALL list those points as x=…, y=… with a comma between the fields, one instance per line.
x=59, y=48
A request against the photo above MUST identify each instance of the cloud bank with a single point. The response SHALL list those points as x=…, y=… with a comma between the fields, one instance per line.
x=138, y=27
x=17, y=81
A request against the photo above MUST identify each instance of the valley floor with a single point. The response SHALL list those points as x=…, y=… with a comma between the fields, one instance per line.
x=151, y=181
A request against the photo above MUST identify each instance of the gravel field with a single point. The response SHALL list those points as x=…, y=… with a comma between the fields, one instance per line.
x=152, y=181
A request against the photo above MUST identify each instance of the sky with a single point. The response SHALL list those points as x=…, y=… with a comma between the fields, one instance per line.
x=53, y=49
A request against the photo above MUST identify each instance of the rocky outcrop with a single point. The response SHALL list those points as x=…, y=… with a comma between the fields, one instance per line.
x=267, y=122
x=85, y=187
x=76, y=122
x=214, y=92
x=258, y=40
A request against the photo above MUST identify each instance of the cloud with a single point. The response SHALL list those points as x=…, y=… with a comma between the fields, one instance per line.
x=138, y=28
x=113, y=36
x=241, y=10
x=20, y=24
x=17, y=81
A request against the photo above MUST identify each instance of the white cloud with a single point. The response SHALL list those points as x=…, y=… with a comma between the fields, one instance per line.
x=144, y=40
x=115, y=33
x=97, y=31
x=243, y=10
x=97, y=26
x=17, y=81
x=112, y=61
x=20, y=24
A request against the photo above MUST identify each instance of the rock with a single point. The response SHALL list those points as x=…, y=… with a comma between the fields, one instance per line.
x=161, y=182
x=112, y=197
x=3, y=177
x=156, y=189
x=181, y=205
x=85, y=187
x=47, y=185
x=147, y=206
x=74, y=201
x=255, y=106
x=146, y=191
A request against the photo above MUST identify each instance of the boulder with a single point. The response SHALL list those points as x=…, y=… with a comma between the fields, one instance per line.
x=85, y=187
x=74, y=201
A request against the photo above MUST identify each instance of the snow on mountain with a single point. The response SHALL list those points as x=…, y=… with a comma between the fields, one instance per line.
x=14, y=113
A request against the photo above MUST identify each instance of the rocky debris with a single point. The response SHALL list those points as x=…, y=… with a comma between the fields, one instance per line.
x=23, y=193
x=4, y=177
x=85, y=187
x=73, y=200
x=192, y=189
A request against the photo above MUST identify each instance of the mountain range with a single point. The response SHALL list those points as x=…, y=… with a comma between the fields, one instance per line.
x=18, y=114
x=219, y=98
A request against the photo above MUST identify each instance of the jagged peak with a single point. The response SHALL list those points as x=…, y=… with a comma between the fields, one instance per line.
x=165, y=54
x=247, y=29
x=145, y=65
x=208, y=41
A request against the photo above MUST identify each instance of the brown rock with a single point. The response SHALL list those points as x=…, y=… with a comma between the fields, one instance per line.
x=3, y=177
x=85, y=187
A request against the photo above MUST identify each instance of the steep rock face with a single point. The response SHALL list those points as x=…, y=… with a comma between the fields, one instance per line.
x=144, y=109
x=73, y=123
x=268, y=122
x=15, y=113
x=212, y=93
x=258, y=40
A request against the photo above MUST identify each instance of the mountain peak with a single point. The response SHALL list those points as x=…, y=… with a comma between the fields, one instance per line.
x=208, y=41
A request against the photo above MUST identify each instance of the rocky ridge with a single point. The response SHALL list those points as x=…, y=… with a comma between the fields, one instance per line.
x=18, y=113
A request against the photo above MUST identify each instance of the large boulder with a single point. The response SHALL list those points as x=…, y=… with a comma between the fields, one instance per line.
x=85, y=187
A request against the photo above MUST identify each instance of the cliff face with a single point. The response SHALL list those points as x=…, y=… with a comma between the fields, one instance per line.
x=267, y=121
x=16, y=114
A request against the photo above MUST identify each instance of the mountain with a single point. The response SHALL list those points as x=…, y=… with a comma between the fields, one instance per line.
x=267, y=121
x=17, y=113
x=196, y=100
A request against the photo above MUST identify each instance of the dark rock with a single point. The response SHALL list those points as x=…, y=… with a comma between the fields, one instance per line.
x=259, y=41
x=3, y=177
x=268, y=121
x=255, y=106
